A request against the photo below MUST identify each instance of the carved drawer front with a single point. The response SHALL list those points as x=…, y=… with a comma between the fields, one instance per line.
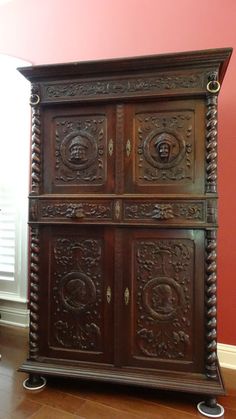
x=164, y=313
x=165, y=211
x=165, y=146
x=78, y=149
x=76, y=293
x=73, y=210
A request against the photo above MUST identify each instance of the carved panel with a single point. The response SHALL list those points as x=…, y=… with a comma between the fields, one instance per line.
x=171, y=211
x=80, y=150
x=165, y=147
x=123, y=86
x=74, y=210
x=164, y=274
x=77, y=293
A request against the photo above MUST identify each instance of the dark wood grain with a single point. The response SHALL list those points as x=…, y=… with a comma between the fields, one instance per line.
x=123, y=217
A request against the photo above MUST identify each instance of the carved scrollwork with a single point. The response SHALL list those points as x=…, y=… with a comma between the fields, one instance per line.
x=80, y=153
x=79, y=210
x=130, y=86
x=76, y=292
x=36, y=143
x=165, y=148
x=211, y=320
x=119, y=167
x=164, y=270
x=165, y=211
x=34, y=290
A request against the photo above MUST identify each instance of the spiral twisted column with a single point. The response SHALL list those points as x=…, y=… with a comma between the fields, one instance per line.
x=211, y=143
x=36, y=140
x=34, y=293
x=211, y=300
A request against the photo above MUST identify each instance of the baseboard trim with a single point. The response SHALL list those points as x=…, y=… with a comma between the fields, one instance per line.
x=14, y=313
x=227, y=355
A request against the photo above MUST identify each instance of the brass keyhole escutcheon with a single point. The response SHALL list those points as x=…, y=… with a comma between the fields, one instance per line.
x=117, y=210
x=128, y=148
x=110, y=147
x=126, y=296
x=109, y=295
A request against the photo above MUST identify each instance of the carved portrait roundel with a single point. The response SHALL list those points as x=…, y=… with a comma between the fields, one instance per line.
x=162, y=297
x=164, y=149
x=77, y=291
x=78, y=150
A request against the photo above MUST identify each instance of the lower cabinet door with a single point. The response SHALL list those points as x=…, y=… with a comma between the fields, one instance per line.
x=163, y=299
x=76, y=293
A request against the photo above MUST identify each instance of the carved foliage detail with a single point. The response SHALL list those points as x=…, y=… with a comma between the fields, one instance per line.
x=211, y=321
x=165, y=211
x=77, y=293
x=34, y=293
x=80, y=149
x=123, y=86
x=76, y=210
x=119, y=148
x=164, y=272
x=165, y=146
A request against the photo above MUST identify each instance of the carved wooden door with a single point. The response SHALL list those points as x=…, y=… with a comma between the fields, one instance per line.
x=76, y=301
x=164, y=147
x=163, y=299
x=78, y=153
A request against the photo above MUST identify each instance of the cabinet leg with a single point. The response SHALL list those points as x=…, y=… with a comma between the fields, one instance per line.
x=210, y=408
x=34, y=382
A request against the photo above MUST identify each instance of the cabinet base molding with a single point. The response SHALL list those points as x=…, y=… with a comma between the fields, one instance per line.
x=192, y=383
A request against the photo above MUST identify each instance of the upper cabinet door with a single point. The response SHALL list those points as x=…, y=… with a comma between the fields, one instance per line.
x=78, y=150
x=164, y=150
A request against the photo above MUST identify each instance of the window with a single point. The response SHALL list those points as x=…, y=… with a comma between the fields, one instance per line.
x=14, y=174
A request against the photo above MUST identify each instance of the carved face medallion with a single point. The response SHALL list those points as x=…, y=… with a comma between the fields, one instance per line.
x=78, y=150
x=77, y=291
x=162, y=296
x=163, y=149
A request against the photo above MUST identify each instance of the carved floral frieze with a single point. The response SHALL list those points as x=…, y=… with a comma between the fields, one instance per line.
x=127, y=86
x=165, y=211
x=80, y=210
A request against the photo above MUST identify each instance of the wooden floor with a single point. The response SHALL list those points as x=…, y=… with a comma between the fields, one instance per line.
x=68, y=399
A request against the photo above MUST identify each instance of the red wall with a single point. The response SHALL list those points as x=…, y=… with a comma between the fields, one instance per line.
x=49, y=31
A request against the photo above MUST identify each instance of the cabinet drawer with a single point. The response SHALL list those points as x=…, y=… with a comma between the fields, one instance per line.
x=162, y=212
x=71, y=210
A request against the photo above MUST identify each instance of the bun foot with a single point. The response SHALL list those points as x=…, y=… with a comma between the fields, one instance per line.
x=210, y=408
x=34, y=382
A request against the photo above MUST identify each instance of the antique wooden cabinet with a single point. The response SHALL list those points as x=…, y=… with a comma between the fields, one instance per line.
x=123, y=219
